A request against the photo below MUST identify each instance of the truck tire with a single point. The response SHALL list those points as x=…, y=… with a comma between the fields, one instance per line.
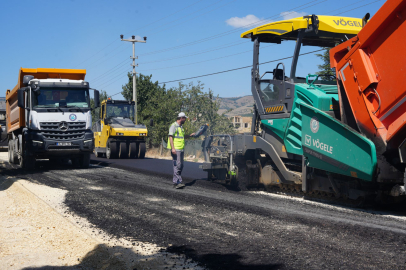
x=84, y=161
x=133, y=150
x=111, y=149
x=123, y=151
x=26, y=161
x=10, y=152
x=143, y=149
x=13, y=157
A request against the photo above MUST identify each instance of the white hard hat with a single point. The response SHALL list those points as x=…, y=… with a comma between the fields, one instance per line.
x=182, y=114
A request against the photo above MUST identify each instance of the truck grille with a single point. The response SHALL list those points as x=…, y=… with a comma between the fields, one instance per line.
x=75, y=130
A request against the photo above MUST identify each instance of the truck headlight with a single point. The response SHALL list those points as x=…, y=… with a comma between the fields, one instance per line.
x=37, y=143
x=88, y=141
x=143, y=134
x=120, y=134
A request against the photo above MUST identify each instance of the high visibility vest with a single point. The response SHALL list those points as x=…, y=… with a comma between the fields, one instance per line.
x=178, y=138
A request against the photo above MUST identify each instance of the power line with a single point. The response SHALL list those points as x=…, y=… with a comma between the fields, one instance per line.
x=138, y=29
x=235, y=30
x=193, y=63
x=197, y=53
x=121, y=64
x=167, y=16
x=196, y=16
x=96, y=53
x=234, y=69
x=111, y=80
x=232, y=31
x=358, y=7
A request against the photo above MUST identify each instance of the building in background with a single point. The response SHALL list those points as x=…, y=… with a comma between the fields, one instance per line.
x=241, y=124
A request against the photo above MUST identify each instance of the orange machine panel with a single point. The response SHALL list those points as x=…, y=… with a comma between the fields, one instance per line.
x=372, y=66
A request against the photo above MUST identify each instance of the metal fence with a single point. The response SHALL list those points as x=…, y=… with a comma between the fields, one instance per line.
x=192, y=147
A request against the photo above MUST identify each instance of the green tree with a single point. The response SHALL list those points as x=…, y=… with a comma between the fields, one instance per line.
x=202, y=108
x=325, y=71
x=96, y=112
x=162, y=105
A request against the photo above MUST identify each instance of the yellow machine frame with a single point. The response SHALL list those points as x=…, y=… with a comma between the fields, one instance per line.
x=121, y=142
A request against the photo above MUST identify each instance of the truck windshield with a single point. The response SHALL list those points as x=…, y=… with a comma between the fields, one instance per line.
x=61, y=97
x=120, y=110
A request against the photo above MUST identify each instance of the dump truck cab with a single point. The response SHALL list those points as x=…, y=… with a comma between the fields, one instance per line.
x=116, y=135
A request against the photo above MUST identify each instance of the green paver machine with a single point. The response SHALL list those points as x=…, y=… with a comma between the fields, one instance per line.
x=298, y=139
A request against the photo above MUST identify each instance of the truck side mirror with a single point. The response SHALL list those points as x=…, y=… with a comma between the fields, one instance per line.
x=96, y=99
x=21, y=101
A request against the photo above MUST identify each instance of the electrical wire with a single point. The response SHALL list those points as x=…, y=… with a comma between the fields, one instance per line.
x=358, y=7
x=295, y=9
x=138, y=29
x=193, y=63
x=241, y=43
x=232, y=31
x=194, y=17
x=234, y=69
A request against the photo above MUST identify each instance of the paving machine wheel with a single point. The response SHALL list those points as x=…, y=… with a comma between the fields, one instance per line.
x=143, y=149
x=123, y=150
x=133, y=150
x=209, y=175
x=111, y=149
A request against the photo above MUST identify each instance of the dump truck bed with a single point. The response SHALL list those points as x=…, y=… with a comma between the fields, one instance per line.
x=16, y=115
x=373, y=73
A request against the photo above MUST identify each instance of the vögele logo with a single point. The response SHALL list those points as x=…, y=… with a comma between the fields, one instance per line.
x=314, y=124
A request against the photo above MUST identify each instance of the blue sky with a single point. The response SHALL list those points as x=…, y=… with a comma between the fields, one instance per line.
x=185, y=38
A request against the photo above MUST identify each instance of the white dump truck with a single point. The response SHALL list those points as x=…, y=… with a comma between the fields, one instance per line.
x=49, y=117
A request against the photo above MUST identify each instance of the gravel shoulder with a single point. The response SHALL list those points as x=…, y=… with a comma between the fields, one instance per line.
x=37, y=230
x=209, y=225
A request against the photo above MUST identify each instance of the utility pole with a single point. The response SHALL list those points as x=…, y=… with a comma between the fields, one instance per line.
x=133, y=40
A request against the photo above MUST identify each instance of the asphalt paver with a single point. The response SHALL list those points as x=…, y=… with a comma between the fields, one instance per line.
x=222, y=228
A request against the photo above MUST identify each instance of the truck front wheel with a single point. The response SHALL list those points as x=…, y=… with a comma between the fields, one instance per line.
x=85, y=161
x=82, y=162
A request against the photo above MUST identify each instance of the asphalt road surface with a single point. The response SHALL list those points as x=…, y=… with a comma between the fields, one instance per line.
x=161, y=167
x=223, y=228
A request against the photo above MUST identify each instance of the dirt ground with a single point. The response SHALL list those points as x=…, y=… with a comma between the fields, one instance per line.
x=36, y=230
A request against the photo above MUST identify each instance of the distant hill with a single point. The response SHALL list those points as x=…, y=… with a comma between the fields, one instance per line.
x=238, y=105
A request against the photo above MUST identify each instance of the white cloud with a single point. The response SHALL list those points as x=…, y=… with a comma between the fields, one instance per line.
x=286, y=15
x=248, y=21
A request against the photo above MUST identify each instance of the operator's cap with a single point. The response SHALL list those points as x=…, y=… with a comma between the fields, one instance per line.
x=182, y=114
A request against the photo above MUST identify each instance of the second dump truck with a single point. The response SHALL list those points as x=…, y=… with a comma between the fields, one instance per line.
x=116, y=135
x=48, y=117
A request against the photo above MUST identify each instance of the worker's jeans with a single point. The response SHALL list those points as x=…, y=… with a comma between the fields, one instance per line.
x=177, y=166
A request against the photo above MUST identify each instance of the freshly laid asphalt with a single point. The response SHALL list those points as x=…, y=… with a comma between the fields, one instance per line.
x=161, y=167
x=222, y=228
